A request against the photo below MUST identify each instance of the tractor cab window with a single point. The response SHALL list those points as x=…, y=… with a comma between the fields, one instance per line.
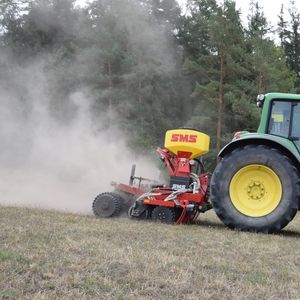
x=279, y=123
x=295, y=130
x=285, y=120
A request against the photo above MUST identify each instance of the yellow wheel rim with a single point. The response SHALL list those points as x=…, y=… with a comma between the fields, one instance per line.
x=255, y=190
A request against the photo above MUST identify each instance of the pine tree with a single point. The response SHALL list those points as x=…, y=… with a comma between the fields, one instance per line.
x=193, y=27
x=267, y=60
x=11, y=13
x=219, y=69
x=132, y=65
x=282, y=27
x=199, y=66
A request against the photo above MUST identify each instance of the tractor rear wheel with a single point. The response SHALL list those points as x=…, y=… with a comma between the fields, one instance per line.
x=107, y=205
x=255, y=188
x=163, y=214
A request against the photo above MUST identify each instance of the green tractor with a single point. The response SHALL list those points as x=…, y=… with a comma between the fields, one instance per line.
x=256, y=184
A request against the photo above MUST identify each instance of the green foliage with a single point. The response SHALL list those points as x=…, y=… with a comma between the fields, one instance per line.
x=289, y=33
x=147, y=68
x=268, y=61
x=230, y=66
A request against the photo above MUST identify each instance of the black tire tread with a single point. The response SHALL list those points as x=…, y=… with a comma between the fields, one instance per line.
x=256, y=224
x=117, y=202
x=169, y=213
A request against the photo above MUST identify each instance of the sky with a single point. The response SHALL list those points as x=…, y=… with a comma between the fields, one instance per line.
x=271, y=8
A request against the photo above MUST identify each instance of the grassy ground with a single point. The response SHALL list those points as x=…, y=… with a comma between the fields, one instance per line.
x=49, y=255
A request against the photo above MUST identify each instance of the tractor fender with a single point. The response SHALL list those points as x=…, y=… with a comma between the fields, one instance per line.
x=285, y=146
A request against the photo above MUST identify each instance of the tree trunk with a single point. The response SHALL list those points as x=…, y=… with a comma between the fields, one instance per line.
x=110, y=88
x=221, y=106
x=260, y=83
x=140, y=92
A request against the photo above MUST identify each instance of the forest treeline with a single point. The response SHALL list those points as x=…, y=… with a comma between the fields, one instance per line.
x=147, y=67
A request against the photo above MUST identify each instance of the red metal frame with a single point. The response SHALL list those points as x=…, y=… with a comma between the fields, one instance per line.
x=129, y=189
x=177, y=165
x=182, y=200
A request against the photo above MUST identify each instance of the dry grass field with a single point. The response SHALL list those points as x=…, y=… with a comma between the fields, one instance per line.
x=50, y=255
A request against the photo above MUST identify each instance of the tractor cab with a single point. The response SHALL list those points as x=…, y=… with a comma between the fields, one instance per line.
x=280, y=116
x=285, y=120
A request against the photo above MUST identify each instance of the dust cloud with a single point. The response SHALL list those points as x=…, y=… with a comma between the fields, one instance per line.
x=50, y=164
x=53, y=153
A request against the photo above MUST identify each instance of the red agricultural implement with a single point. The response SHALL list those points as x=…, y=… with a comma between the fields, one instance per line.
x=255, y=185
x=181, y=200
